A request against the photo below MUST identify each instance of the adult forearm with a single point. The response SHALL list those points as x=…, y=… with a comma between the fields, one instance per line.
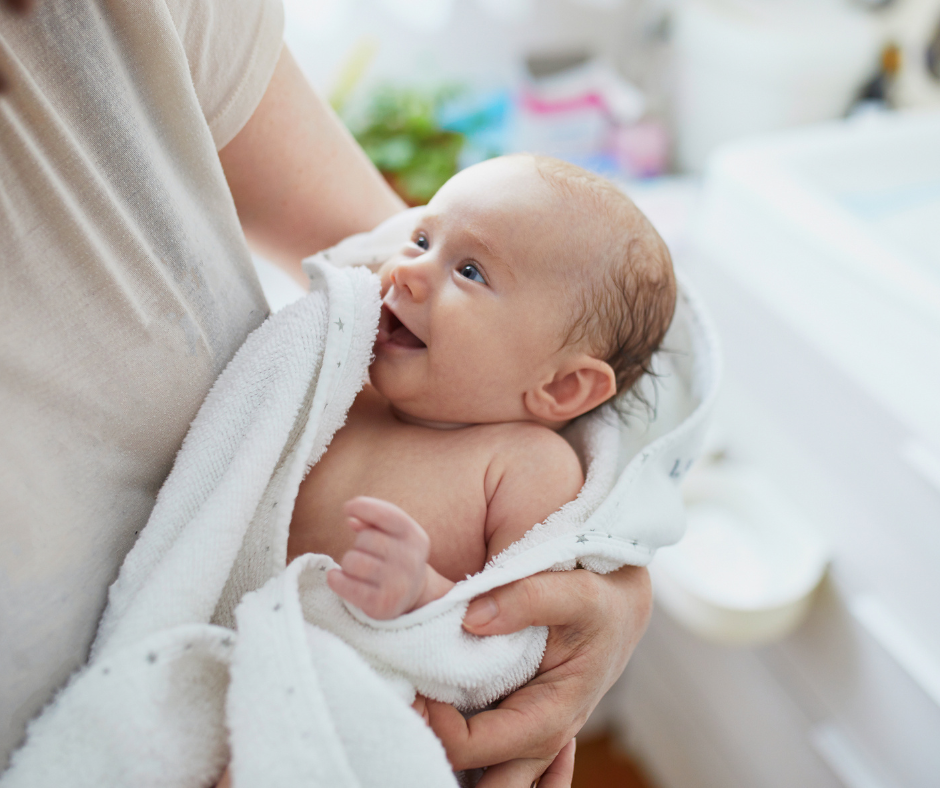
x=300, y=181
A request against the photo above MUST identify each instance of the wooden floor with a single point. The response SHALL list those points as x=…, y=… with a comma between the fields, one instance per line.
x=599, y=763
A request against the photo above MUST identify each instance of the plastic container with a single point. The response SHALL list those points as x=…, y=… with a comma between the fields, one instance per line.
x=750, y=66
x=745, y=572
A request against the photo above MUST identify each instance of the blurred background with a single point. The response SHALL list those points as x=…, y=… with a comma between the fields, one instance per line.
x=789, y=153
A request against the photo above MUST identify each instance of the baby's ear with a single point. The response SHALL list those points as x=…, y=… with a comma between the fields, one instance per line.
x=580, y=385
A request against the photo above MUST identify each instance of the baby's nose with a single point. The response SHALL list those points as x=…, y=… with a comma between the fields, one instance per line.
x=413, y=276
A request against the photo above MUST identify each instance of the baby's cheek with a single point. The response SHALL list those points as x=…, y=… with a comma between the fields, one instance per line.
x=484, y=376
x=398, y=379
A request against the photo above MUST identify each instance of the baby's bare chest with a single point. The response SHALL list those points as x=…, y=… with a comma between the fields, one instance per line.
x=437, y=476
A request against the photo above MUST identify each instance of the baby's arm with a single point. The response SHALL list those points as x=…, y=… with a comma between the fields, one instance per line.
x=386, y=573
x=536, y=474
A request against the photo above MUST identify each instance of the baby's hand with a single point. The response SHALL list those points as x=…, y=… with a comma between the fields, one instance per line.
x=386, y=573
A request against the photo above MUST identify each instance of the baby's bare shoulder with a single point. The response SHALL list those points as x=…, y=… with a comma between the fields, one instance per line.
x=543, y=445
x=524, y=447
x=533, y=472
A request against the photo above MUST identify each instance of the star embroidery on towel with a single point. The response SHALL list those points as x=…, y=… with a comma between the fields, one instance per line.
x=339, y=323
x=676, y=471
x=582, y=538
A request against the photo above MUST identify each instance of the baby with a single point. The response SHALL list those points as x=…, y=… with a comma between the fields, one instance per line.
x=531, y=292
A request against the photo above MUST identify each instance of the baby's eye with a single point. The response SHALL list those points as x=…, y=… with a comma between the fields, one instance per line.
x=471, y=272
x=421, y=241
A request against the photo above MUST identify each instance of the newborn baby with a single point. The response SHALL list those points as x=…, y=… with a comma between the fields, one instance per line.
x=531, y=292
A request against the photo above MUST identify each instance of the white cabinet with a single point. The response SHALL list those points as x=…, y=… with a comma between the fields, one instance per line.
x=817, y=254
x=851, y=698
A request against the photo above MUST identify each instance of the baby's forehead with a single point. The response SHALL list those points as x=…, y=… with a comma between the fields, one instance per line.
x=502, y=184
x=506, y=201
x=529, y=243
x=571, y=223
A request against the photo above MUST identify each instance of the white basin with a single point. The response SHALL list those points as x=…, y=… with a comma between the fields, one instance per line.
x=745, y=572
x=837, y=228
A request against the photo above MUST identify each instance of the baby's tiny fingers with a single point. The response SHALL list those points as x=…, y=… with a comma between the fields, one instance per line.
x=354, y=591
x=356, y=524
x=371, y=600
x=381, y=514
x=362, y=566
x=375, y=543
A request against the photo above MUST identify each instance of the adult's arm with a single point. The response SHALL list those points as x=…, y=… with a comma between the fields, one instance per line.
x=595, y=622
x=300, y=181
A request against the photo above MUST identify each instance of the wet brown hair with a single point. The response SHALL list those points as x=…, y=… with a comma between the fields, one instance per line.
x=626, y=290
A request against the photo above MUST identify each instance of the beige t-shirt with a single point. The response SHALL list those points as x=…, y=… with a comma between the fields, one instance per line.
x=125, y=287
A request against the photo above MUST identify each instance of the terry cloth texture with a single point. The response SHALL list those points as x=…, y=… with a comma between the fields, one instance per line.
x=310, y=690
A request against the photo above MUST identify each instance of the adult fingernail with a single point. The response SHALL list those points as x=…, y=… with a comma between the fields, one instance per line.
x=481, y=611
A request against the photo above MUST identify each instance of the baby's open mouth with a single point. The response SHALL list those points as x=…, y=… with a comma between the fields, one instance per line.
x=394, y=332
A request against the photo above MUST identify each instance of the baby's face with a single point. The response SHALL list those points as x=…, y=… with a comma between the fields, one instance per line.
x=475, y=304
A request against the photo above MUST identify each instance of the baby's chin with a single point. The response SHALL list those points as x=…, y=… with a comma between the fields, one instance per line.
x=431, y=405
x=425, y=412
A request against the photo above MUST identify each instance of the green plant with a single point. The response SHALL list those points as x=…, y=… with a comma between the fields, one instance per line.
x=401, y=135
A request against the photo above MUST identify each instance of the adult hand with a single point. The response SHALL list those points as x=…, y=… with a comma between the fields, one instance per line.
x=595, y=622
x=558, y=775
x=561, y=771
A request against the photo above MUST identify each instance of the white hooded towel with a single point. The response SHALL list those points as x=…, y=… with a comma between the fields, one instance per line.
x=210, y=649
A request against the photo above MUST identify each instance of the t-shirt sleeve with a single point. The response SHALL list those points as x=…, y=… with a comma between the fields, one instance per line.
x=232, y=47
